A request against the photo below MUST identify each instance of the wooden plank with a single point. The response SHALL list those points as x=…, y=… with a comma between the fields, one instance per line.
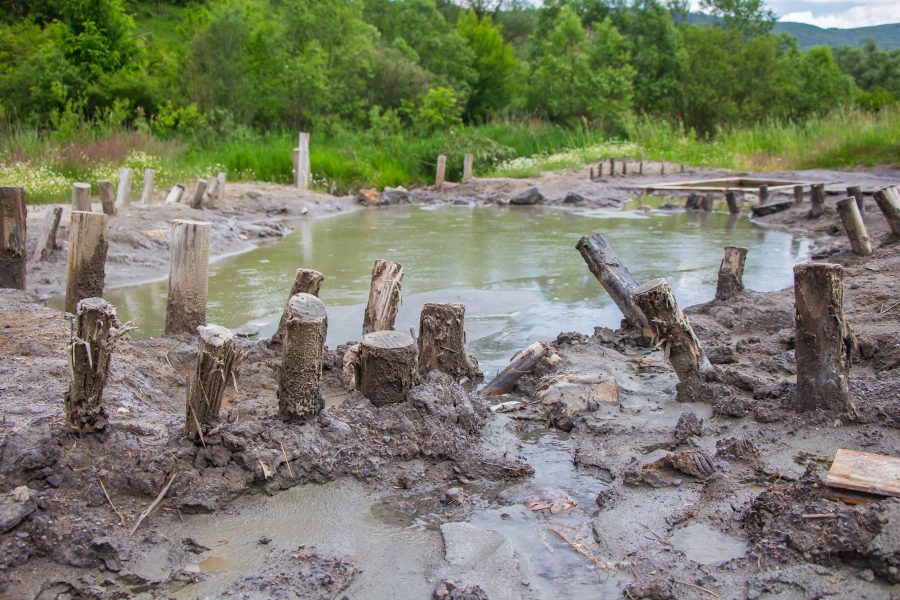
x=864, y=472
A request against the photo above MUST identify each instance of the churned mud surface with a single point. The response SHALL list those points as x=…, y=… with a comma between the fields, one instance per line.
x=589, y=480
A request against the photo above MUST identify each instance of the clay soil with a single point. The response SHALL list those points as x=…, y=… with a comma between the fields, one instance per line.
x=746, y=465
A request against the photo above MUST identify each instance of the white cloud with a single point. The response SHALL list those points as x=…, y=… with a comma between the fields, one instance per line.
x=862, y=15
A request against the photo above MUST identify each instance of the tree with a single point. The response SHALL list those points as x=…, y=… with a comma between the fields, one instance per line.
x=750, y=17
x=494, y=63
x=710, y=78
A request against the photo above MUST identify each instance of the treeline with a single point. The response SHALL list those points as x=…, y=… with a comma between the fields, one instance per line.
x=187, y=67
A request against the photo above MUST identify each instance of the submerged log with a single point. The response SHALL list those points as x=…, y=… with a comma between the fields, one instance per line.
x=442, y=341
x=822, y=341
x=214, y=372
x=46, y=243
x=817, y=200
x=306, y=281
x=13, y=238
x=90, y=351
x=731, y=199
x=387, y=366
x=107, y=199
x=301, y=359
x=731, y=273
x=856, y=193
x=384, y=296
x=888, y=200
x=81, y=197
x=86, y=265
x=854, y=226
x=522, y=363
x=188, y=276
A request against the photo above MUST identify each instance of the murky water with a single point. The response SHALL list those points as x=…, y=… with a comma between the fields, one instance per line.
x=708, y=546
x=516, y=270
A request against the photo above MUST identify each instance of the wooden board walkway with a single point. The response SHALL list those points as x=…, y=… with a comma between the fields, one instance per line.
x=864, y=472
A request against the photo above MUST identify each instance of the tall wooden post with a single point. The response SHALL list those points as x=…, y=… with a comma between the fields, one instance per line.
x=81, y=197
x=467, y=168
x=175, y=194
x=707, y=202
x=731, y=273
x=107, y=199
x=123, y=191
x=86, y=265
x=147, y=189
x=384, y=296
x=387, y=366
x=856, y=192
x=600, y=170
x=820, y=347
x=798, y=195
x=90, y=352
x=13, y=238
x=854, y=226
x=662, y=168
x=888, y=200
x=641, y=165
x=188, y=276
x=199, y=192
x=440, y=171
x=817, y=200
x=763, y=194
x=731, y=199
x=301, y=359
x=612, y=166
x=302, y=168
x=220, y=188
x=213, y=374
x=624, y=166
x=46, y=243
x=306, y=281
x=442, y=341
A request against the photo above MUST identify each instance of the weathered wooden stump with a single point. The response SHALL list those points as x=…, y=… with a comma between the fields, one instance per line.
x=641, y=165
x=662, y=168
x=301, y=359
x=91, y=345
x=763, y=194
x=302, y=168
x=384, y=296
x=174, y=195
x=798, y=195
x=387, y=366
x=817, y=200
x=442, y=341
x=854, y=226
x=616, y=279
x=612, y=166
x=188, y=276
x=213, y=374
x=731, y=273
x=107, y=199
x=731, y=199
x=599, y=170
x=522, y=363
x=707, y=202
x=888, y=200
x=694, y=201
x=440, y=171
x=123, y=190
x=220, y=188
x=306, y=281
x=86, y=265
x=467, y=168
x=681, y=345
x=46, y=242
x=856, y=193
x=197, y=197
x=13, y=238
x=81, y=197
x=147, y=189
x=822, y=346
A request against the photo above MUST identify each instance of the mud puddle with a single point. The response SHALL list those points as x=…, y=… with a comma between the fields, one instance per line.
x=706, y=545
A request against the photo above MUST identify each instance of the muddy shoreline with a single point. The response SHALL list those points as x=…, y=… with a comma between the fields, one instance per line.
x=69, y=503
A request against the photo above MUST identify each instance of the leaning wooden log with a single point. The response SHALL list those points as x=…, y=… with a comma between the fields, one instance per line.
x=46, y=243
x=301, y=359
x=817, y=200
x=731, y=199
x=81, y=197
x=731, y=273
x=199, y=192
x=798, y=195
x=213, y=374
x=91, y=344
x=616, y=279
x=13, y=238
x=86, y=265
x=107, y=199
x=384, y=296
x=680, y=344
x=188, y=276
x=856, y=192
x=442, y=341
x=306, y=281
x=522, y=363
x=440, y=171
x=822, y=340
x=387, y=366
x=147, y=189
x=854, y=226
x=123, y=190
x=174, y=195
x=888, y=200
x=772, y=208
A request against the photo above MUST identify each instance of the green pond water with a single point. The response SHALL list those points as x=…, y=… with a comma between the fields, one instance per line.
x=516, y=269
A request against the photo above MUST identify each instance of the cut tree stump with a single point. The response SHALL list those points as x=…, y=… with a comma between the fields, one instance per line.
x=188, y=276
x=220, y=188
x=174, y=195
x=731, y=273
x=306, y=281
x=860, y=243
x=616, y=279
x=46, y=243
x=86, y=265
x=522, y=363
x=798, y=195
x=91, y=345
x=440, y=171
x=856, y=192
x=679, y=342
x=707, y=202
x=107, y=198
x=213, y=374
x=822, y=341
x=199, y=192
x=81, y=197
x=384, y=296
x=467, y=168
x=816, y=200
x=13, y=238
x=147, y=189
x=864, y=472
x=731, y=199
x=888, y=200
x=387, y=366
x=763, y=194
x=442, y=341
x=301, y=359
x=123, y=190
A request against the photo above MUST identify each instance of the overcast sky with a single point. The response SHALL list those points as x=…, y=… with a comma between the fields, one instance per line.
x=835, y=13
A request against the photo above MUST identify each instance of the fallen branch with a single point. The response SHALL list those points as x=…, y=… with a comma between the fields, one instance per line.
x=819, y=516
x=579, y=548
x=286, y=461
x=108, y=499
x=155, y=503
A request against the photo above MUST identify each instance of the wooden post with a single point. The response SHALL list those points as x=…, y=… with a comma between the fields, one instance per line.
x=707, y=202
x=387, y=366
x=694, y=201
x=212, y=376
x=600, y=170
x=147, y=190
x=86, y=265
x=384, y=296
x=798, y=195
x=90, y=351
x=681, y=168
x=641, y=165
x=820, y=346
x=817, y=200
x=81, y=197
x=301, y=359
x=591, y=176
x=442, y=341
x=302, y=169
x=856, y=192
x=731, y=199
x=220, y=187
x=467, y=168
x=197, y=198
x=763, y=194
x=662, y=168
x=13, y=238
x=211, y=183
x=306, y=281
x=123, y=191
x=625, y=166
x=46, y=243
x=188, y=276
x=888, y=200
x=107, y=199
x=731, y=273
x=681, y=345
x=616, y=279
x=612, y=166
x=440, y=171
x=175, y=194
x=522, y=363
x=854, y=226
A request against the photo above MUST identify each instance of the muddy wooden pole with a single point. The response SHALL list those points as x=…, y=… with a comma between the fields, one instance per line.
x=821, y=348
x=107, y=198
x=46, y=242
x=86, y=265
x=522, y=363
x=387, y=366
x=147, y=189
x=174, y=195
x=199, y=192
x=213, y=374
x=13, y=238
x=681, y=345
x=854, y=226
x=467, y=168
x=731, y=273
x=763, y=194
x=612, y=166
x=888, y=200
x=81, y=197
x=599, y=170
x=301, y=359
x=384, y=296
x=616, y=279
x=440, y=171
x=707, y=202
x=91, y=345
x=306, y=281
x=798, y=195
x=856, y=192
x=188, y=276
x=123, y=190
x=817, y=200
x=731, y=199
x=442, y=341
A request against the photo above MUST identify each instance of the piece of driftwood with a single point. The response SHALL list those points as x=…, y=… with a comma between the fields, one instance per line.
x=306, y=281
x=188, y=276
x=213, y=373
x=46, y=243
x=387, y=366
x=864, y=472
x=522, y=363
x=848, y=209
x=731, y=273
x=442, y=341
x=86, y=263
x=384, y=296
x=888, y=200
x=302, y=352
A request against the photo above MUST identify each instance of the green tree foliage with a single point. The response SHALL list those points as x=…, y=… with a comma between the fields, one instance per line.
x=750, y=17
x=875, y=71
x=494, y=62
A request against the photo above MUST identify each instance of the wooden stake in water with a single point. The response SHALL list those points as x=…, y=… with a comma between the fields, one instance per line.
x=384, y=296
x=13, y=238
x=440, y=171
x=442, y=341
x=188, y=276
x=731, y=273
x=888, y=200
x=199, y=192
x=175, y=194
x=47, y=237
x=306, y=281
x=302, y=168
x=86, y=265
x=387, y=366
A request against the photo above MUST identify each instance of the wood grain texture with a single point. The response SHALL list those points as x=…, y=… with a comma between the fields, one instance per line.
x=864, y=472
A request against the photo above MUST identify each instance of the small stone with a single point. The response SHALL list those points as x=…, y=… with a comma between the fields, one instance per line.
x=15, y=506
x=573, y=198
x=528, y=197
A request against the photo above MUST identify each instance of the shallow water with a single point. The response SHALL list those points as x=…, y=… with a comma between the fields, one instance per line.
x=706, y=545
x=516, y=269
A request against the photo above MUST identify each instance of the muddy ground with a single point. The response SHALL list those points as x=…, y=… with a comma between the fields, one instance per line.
x=743, y=472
